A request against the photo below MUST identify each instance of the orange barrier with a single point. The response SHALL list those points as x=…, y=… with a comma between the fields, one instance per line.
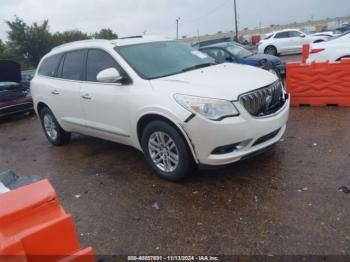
x=35, y=227
x=305, y=54
x=319, y=84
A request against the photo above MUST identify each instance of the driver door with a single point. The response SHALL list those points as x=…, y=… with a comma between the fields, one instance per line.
x=105, y=104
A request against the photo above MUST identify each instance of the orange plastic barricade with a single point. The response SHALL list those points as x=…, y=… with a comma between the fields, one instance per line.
x=319, y=84
x=305, y=54
x=35, y=227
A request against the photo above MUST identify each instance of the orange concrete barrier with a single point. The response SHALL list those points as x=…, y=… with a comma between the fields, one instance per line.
x=35, y=227
x=319, y=84
x=305, y=54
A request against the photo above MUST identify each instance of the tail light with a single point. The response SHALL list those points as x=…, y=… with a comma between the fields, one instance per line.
x=316, y=50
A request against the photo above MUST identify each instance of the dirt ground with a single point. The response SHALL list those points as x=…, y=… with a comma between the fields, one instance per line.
x=285, y=201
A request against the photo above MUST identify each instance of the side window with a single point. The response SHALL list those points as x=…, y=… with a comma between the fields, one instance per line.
x=49, y=66
x=98, y=60
x=282, y=35
x=73, y=65
x=294, y=34
x=218, y=54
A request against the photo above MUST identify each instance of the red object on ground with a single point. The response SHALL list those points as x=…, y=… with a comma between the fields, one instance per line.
x=319, y=84
x=256, y=39
x=305, y=54
x=35, y=227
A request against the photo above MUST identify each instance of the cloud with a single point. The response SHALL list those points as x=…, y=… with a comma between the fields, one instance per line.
x=130, y=17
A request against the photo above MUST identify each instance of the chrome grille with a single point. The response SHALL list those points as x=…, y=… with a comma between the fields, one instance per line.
x=264, y=101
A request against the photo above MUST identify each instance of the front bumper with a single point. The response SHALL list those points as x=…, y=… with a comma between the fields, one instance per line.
x=249, y=133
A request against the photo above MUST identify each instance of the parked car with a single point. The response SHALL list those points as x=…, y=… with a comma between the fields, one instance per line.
x=27, y=76
x=212, y=42
x=289, y=41
x=14, y=97
x=332, y=50
x=162, y=97
x=235, y=53
x=328, y=34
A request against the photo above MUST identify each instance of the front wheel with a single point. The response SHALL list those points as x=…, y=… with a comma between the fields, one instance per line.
x=166, y=151
x=52, y=129
x=271, y=50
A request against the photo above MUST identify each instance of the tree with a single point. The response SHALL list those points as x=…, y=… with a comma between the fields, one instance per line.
x=30, y=43
x=106, y=33
x=68, y=36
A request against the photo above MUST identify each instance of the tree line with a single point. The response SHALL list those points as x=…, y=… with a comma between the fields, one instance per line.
x=27, y=44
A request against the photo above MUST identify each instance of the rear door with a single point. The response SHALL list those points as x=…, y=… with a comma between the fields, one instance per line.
x=105, y=104
x=65, y=91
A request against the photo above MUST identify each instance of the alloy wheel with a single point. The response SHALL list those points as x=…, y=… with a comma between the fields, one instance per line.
x=163, y=151
x=50, y=126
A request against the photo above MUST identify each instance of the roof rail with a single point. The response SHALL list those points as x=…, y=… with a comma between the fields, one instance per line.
x=130, y=37
x=78, y=42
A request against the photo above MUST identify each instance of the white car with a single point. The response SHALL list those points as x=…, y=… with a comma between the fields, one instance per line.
x=332, y=50
x=162, y=97
x=288, y=41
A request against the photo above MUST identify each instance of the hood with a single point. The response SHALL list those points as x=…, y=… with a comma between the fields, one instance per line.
x=224, y=81
x=270, y=58
x=333, y=43
x=10, y=71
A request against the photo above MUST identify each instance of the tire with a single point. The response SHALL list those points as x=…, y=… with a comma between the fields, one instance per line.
x=270, y=50
x=166, y=151
x=52, y=129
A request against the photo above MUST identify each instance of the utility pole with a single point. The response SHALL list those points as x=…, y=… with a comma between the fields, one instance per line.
x=236, y=21
x=177, y=28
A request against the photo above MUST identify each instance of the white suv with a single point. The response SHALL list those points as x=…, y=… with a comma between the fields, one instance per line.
x=288, y=41
x=162, y=97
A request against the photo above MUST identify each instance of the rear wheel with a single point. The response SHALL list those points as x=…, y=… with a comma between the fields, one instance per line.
x=166, y=151
x=52, y=129
x=271, y=50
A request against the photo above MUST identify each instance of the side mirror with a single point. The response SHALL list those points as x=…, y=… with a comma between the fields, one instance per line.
x=109, y=75
x=302, y=36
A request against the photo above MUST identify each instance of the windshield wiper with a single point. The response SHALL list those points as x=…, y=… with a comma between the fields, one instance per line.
x=197, y=67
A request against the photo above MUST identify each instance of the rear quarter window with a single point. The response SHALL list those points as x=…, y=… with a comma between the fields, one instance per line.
x=49, y=65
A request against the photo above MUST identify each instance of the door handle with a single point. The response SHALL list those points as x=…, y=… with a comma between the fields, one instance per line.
x=87, y=97
x=55, y=92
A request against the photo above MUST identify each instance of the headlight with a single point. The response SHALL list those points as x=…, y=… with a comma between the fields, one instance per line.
x=213, y=109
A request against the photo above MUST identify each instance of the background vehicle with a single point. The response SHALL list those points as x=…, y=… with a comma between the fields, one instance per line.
x=162, y=97
x=212, y=42
x=288, y=41
x=202, y=44
x=233, y=52
x=14, y=97
x=332, y=50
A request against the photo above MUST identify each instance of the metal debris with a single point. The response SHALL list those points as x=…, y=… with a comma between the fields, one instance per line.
x=344, y=189
x=156, y=206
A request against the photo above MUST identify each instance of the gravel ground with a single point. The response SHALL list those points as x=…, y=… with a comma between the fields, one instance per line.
x=285, y=201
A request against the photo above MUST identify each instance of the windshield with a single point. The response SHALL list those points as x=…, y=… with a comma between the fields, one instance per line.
x=160, y=59
x=238, y=51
